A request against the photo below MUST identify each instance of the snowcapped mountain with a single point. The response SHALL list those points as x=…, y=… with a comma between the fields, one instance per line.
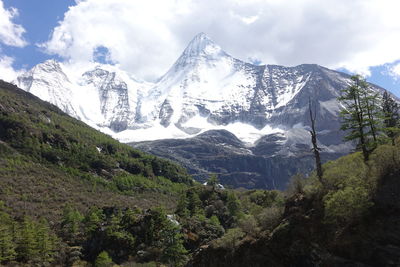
x=264, y=107
x=205, y=89
x=47, y=81
x=101, y=95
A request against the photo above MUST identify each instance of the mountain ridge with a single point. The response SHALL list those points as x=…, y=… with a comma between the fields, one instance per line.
x=264, y=106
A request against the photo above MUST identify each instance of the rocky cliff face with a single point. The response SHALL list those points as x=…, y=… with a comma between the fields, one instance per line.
x=264, y=165
x=264, y=107
x=113, y=95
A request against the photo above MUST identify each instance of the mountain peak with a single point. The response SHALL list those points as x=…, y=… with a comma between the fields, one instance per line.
x=202, y=45
x=200, y=48
x=201, y=37
x=49, y=65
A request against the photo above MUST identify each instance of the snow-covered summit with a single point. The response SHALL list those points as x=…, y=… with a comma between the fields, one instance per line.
x=49, y=82
x=201, y=47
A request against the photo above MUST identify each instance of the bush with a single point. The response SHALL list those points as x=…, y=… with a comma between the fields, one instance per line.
x=270, y=217
x=249, y=225
x=339, y=172
x=103, y=260
x=296, y=185
x=346, y=204
x=231, y=239
x=265, y=198
x=384, y=160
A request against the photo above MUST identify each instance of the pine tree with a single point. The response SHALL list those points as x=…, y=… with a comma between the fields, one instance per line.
x=45, y=242
x=182, y=206
x=391, y=116
x=103, y=260
x=233, y=204
x=71, y=223
x=156, y=221
x=7, y=245
x=116, y=234
x=195, y=204
x=213, y=181
x=359, y=117
x=174, y=252
x=27, y=247
x=371, y=103
x=93, y=220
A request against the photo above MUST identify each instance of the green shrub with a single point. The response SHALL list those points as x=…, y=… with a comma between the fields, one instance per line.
x=296, y=185
x=103, y=260
x=385, y=160
x=269, y=217
x=339, y=172
x=231, y=239
x=346, y=204
x=249, y=225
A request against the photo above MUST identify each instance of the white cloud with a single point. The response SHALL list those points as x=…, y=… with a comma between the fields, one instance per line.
x=394, y=71
x=145, y=37
x=10, y=33
x=7, y=72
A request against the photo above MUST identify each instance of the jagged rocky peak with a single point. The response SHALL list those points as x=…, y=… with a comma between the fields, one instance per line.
x=50, y=69
x=113, y=96
x=49, y=82
x=97, y=74
x=104, y=79
x=49, y=66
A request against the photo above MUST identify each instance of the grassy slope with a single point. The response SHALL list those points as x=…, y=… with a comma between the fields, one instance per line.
x=48, y=159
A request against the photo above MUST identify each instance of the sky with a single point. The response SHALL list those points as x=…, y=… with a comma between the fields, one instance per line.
x=145, y=37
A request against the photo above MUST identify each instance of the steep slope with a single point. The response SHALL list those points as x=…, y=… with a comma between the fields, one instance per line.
x=49, y=159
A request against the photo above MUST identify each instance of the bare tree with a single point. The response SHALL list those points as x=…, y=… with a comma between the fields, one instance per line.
x=315, y=148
